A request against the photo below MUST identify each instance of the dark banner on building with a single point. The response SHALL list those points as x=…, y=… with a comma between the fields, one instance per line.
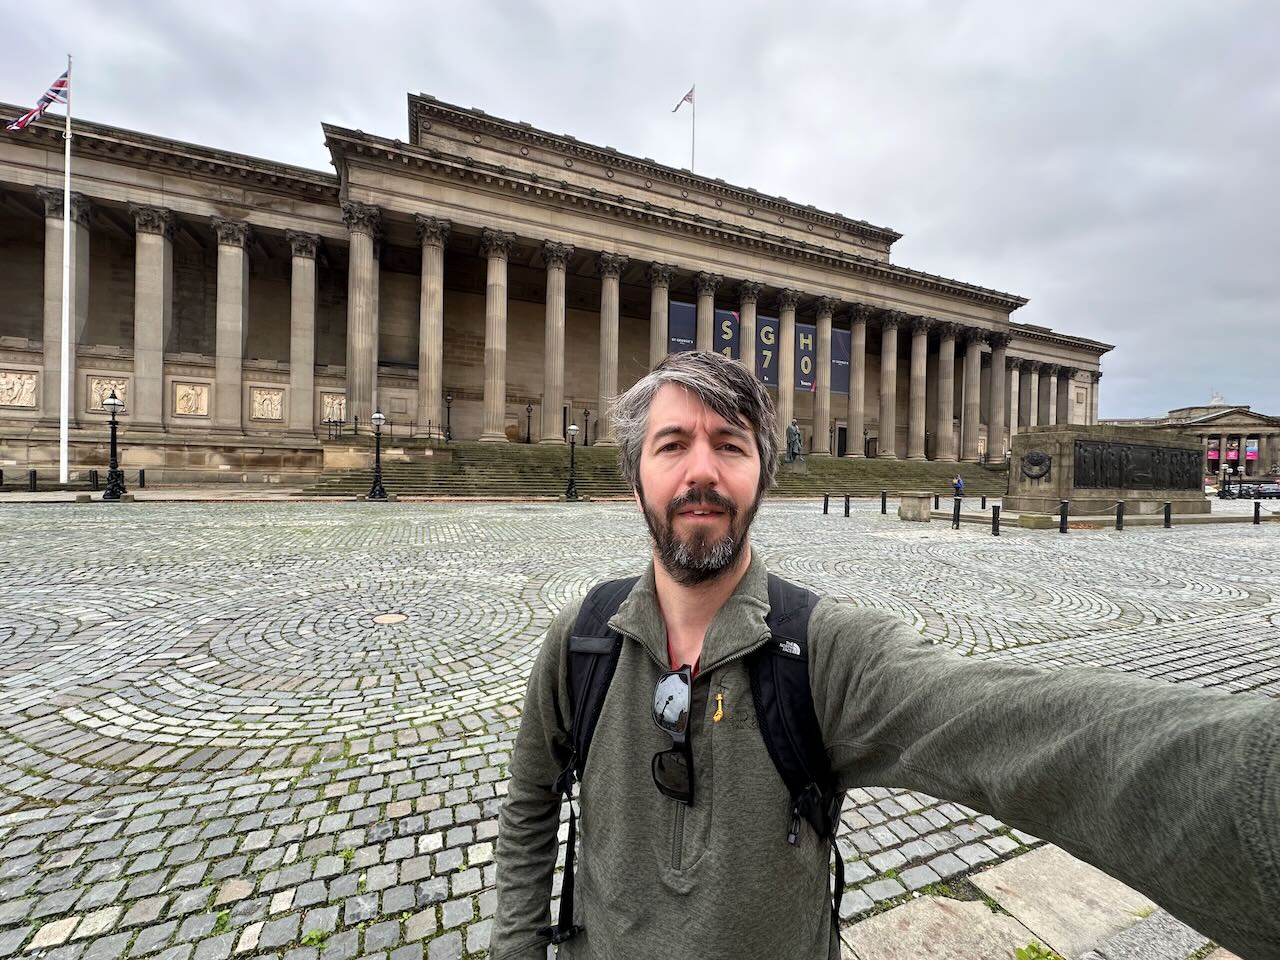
x=726, y=335
x=767, y=350
x=841, y=347
x=806, y=355
x=682, y=327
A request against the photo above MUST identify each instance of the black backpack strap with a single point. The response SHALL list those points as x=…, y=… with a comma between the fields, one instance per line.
x=593, y=657
x=788, y=722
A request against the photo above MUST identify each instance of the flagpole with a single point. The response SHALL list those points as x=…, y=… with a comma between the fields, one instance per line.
x=693, y=130
x=65, y=386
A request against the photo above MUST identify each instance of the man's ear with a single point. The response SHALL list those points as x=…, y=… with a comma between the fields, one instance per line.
x=639, y=503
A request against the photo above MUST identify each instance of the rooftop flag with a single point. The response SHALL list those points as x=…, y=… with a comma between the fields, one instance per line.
x=57, y=93
x=687, y=98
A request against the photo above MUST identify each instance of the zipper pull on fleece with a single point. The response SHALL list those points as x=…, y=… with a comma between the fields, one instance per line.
x=793, y=837
x=719, y=714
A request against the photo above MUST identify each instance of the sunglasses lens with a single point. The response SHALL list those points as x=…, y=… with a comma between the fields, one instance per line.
x=671, y=703
x=672, y=774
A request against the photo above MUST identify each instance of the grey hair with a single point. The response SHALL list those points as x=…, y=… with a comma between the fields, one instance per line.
x=722, y=384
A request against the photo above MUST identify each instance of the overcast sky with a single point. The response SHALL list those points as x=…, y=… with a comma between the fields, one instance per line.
x=1117, y=163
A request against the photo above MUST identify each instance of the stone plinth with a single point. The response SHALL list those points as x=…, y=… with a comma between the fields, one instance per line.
x=1093, y=467
x=915, y=505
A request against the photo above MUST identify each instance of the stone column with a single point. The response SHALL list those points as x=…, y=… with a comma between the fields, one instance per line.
x=969, y=417
x=302, y=332
x=945, y=429
x=1033, y=394
x=232, y=323
x=1093, y=399
x=152, y=313
x=915, y=412
x=787, y=301
x=705, y=284
x=364, y=224
x=1222, y=452
x=557, y=257
x=997, y=442
x=822, y=384
x=433, y=235
x=857, y=418
x=748, y=296
x=496, y=245
x=889, y=321
x=1015, y=389
x=51, y=377
x=1051, y=395
x=1066, y=398
x=611, y=266
x=659, y=307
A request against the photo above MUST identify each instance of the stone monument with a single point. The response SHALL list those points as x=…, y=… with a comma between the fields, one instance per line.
x=1093, y=467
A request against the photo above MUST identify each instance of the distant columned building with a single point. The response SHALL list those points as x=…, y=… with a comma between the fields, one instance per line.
x=481, y=274
x=1234, y=437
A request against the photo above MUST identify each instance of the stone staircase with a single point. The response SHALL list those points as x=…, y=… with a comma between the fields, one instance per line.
x=515, y=470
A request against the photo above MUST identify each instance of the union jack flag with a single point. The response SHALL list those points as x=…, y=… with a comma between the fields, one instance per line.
x=57, y=93
x=687, y=98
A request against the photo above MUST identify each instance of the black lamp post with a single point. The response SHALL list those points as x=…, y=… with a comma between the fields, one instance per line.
x=571, y=491
x=377, y=491
x=448, y=417
x=115, y=476
x=831, y=438
x=528, y=431
x=586, y=427
x=866, y=441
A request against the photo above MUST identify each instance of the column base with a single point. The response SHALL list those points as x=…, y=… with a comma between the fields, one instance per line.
x=917, y=456
x=886, y=456
x=969, y=460
x=493, y=438
x=605, y=443
x=820, y=453
x=946, y=459
x=855, y=456
x=553, y=441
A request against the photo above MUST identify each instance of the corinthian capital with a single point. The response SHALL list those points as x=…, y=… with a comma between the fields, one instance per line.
x=660, y=274
x=154, y=220
x=52, y=198
x=557, y=254
x=362, y=218
x=825, y=306
x=920, y=325
x=611, y=265
x=302, y=244
x=890, y=319
x=1097, y=375
x=230, y=233
x=999, y=341
x=975, y=336
x=432, y=231
x=788, y=298
x=706, y=283
x=1050, y=370
x=749, y=291
x=1015, y=363
x=948, y=330
x=496, y=243
x=861, y=313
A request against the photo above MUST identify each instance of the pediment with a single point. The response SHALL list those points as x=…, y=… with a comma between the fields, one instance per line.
x=1235, y=418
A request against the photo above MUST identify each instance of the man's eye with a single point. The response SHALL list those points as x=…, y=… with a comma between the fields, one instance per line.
x=673, y=445
x=732, y=447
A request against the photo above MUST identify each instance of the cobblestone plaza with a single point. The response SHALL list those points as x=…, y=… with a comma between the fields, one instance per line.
x=282, y=729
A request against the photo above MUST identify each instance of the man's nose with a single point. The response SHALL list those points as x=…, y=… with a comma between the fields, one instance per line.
x=701, y=468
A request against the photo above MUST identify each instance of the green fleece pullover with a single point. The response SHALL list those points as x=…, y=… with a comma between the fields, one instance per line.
x=1172, y=790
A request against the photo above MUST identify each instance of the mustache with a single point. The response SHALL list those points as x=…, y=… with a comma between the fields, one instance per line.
x=702, y=498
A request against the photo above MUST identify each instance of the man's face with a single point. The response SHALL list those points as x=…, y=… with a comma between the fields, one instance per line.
x=699, y=486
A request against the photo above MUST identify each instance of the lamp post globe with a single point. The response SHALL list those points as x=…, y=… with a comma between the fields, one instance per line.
x=448, y=417
x=571, y=491
x=377, y=491
x=528, y=430
x=115, y=476
x=586, y=427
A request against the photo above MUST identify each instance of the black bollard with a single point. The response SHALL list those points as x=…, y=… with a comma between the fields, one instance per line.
x=1062, y=517
x=995, y=520
x=955, y=515
x=935, y=501
x=142, y=478
x=826, y=500
x=31, y=480
x=984, y=503
x=93, y=479
x=884, y=501
x=1257, y=512
x=846, y=504
x=1168, y=515
x=1120, y=515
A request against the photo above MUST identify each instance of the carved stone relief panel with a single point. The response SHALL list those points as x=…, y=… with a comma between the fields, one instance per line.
x=190, y=399
x=333, y=406
x=100, y=388
x=17, y=388
x=266, y=403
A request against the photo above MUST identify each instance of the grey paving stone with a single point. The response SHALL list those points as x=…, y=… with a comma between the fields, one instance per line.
x=975, y=853
x=457, y=912
x=151, y=939
x=341, y=946
x=107, y=948
x=879, y=890
x=382, y=936
x=360, y=908
x=279, y=933
x=886, y=860
x=853, y=903
x=948, y=865
x=448, y=946
x=916, y=877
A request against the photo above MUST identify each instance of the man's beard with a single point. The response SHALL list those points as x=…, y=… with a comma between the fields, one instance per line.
x=700, y=556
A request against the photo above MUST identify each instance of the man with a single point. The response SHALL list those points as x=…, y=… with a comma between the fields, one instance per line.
x=1175, y=791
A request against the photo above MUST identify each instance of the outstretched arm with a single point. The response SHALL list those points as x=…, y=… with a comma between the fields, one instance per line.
x=1173, y=790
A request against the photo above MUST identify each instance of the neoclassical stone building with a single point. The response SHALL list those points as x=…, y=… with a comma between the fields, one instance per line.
x=485, y=274
x=1236, y=439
